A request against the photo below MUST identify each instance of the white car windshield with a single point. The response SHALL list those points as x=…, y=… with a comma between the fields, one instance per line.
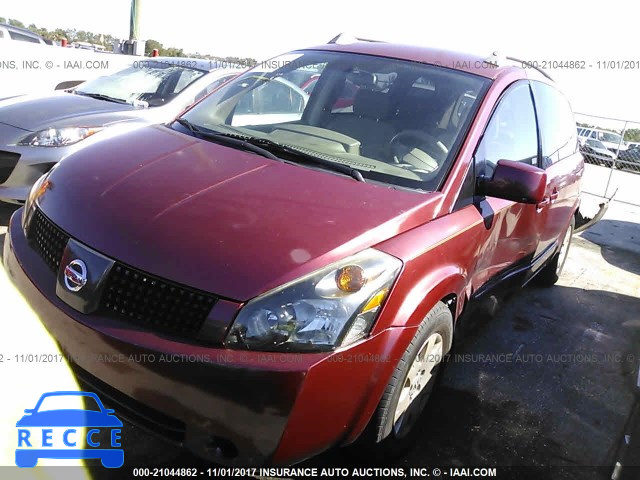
x=154, y=83
x=609, y=137
x=393, y=121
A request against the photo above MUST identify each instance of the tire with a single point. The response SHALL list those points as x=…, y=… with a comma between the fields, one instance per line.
x=388, y=433
x=550, y=274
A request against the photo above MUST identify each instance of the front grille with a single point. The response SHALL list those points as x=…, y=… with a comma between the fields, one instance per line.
x=132, y=295
x=8, y=161
x=47, y=239
x=156, y=303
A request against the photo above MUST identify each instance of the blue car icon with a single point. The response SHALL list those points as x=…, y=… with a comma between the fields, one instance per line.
x=65, y=422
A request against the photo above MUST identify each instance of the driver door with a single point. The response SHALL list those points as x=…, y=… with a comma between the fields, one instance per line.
x=511, y=231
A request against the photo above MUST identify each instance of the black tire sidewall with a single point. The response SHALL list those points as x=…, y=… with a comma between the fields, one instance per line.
x=438, y=320
x=550, y=274
x=571, y=227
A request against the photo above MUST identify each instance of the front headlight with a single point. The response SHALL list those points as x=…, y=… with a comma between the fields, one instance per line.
x=38, y=188
x=58, y=137
x=334, y=306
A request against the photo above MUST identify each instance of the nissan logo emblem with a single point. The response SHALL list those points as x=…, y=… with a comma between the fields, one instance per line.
x=75, y=275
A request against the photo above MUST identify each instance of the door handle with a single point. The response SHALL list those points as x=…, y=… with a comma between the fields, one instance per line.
x=546, y=201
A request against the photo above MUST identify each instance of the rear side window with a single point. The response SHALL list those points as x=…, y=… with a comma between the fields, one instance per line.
x=557, y=124
x=23, y=38
x=187, y=76
x=511, y=133
x=211, y=87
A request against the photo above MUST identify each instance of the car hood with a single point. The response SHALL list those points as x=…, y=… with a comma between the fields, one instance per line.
x=62, y=109
x=69, y=418
x=219, y=219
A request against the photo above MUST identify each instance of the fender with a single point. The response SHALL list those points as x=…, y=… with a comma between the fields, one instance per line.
x=419, y=299
x=410, y=306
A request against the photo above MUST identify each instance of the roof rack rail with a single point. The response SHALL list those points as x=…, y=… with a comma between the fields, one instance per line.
x=531, y=65
x=343, y=38
x=496, y=59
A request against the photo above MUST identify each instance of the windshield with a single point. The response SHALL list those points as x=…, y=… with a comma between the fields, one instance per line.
x=394, y=121
x=155, y=83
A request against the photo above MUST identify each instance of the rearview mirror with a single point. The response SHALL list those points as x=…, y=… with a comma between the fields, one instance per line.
x=515, y=181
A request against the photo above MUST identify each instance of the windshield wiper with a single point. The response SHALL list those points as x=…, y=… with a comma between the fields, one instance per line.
x=100, y=96
x=226, y=139
x=269, y=149
x=276, y=147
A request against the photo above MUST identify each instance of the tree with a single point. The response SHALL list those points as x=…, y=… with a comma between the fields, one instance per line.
x=16, y=23
x=73, y=35
x=632, y=135
x=58, y=34
x=151, y=45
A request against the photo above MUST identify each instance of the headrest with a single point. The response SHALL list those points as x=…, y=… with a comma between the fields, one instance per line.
x=413, y=104
x=368, y=103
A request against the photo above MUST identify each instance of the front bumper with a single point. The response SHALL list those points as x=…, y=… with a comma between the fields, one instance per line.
x=231, y=407
x=32, y=163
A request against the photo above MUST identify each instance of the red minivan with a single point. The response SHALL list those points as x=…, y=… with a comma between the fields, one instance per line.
x=271, y=275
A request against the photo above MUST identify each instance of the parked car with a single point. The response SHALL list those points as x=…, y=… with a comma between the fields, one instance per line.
x=595, y=152
x=630, y=158
x=611, y=140
x=303, y=278
x=9, y=33
x=37, y=131
x=33, y=68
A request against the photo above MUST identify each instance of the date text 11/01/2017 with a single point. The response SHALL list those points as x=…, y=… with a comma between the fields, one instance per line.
x=306, y=472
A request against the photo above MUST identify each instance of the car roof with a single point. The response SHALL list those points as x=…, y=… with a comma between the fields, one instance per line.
x=470, y=63
x=197, y=63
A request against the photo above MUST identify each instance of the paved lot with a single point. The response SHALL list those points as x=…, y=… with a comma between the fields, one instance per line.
x=605, y=181
x=549, y=380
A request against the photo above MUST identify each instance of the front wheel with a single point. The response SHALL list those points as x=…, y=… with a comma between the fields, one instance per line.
x=550, y=274
x=392, y=426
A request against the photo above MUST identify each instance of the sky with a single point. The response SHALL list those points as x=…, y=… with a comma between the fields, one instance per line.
x=547, y=30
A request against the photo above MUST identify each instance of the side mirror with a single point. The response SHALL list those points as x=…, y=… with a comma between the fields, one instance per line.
x=515, y=181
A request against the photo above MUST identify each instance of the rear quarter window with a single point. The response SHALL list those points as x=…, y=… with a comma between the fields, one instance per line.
x=23, y=38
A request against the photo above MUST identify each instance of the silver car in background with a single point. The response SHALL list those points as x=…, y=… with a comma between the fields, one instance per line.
x=36, y=132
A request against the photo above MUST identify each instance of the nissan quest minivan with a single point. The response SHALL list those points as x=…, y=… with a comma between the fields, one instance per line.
x=271, y=275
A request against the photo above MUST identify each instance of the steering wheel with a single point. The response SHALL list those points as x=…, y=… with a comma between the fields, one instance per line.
x=419, y=149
